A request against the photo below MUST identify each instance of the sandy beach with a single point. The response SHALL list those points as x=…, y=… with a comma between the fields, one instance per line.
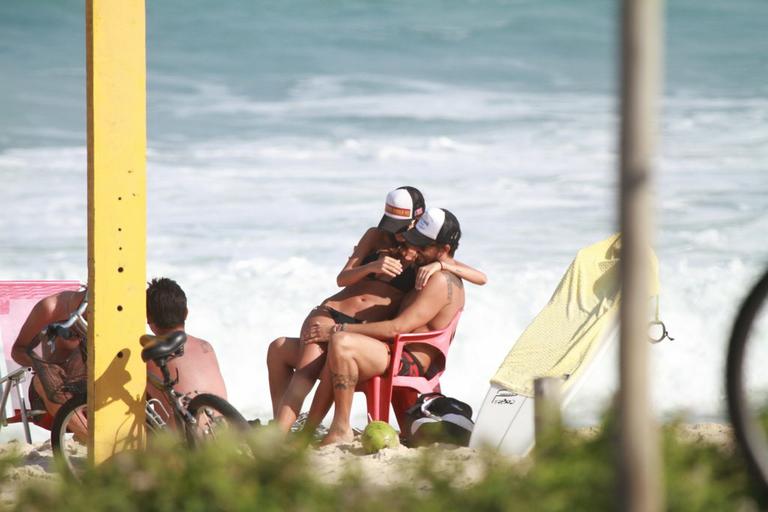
x=391, y=466
x=331, y=463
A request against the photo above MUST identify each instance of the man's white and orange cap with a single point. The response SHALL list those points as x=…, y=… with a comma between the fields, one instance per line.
x=436, y=226
x=403, y=205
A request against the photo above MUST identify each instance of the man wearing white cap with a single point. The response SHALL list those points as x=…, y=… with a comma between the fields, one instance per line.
x=358, y=352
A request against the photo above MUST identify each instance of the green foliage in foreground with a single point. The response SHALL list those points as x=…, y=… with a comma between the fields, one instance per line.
x=570, y=473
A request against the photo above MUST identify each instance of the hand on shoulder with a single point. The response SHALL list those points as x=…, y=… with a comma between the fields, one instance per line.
x=425, y=272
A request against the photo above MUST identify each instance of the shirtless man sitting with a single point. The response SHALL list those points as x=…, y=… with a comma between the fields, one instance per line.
x=60, y=369
x=198, y=368
x=63, y=367
x=358, y=352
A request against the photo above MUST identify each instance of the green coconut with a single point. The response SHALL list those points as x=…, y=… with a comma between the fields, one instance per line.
x=378, y=435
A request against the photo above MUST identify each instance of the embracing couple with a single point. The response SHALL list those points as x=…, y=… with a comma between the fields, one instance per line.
x=401, y=277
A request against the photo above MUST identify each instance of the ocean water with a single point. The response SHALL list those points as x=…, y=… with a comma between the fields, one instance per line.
x=275, y=130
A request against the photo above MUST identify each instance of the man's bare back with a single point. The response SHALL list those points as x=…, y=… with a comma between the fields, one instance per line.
x=198, y=369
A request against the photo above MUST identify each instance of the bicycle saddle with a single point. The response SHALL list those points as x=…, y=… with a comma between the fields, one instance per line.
x=161, y=347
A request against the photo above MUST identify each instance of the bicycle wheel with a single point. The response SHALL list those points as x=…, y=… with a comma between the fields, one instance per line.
x=69, y=434
x=749, y=433
x=213, y=416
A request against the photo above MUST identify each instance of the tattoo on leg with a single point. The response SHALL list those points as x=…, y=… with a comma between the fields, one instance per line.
x=341, y=381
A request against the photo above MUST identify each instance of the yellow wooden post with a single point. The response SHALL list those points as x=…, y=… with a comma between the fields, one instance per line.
x=116, y=83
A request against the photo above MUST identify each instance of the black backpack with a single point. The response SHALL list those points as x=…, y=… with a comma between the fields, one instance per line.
x=436, y=418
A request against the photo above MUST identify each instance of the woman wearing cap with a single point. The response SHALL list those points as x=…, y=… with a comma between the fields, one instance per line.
x=376, y=252
x=375, y=282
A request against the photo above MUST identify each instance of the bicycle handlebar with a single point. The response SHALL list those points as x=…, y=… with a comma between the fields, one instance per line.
x=64, y=329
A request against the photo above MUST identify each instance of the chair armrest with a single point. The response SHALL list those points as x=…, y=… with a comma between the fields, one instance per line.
x=413, y=337
x=429, y=338
x=16, y=375
x=424, y=338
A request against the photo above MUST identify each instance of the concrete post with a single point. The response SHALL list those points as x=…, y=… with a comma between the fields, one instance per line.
x=640, y=468
x=547, y=417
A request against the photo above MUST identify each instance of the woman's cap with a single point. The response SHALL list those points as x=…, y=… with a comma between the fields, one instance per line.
x=436, y=226
x=403, y=205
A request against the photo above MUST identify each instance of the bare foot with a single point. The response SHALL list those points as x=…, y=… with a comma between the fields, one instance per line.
x=338, y=437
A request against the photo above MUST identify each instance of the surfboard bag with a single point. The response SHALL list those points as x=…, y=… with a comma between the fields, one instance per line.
x=436, y=418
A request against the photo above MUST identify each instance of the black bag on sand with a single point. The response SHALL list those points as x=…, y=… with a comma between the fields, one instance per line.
x=436, y=418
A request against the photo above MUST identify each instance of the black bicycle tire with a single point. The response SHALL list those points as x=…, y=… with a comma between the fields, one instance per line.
x=749, y=434
x=58, y=424
x=220, y=405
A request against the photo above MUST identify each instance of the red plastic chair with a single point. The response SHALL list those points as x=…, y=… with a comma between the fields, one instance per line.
x=17, y=298
x=401, y=391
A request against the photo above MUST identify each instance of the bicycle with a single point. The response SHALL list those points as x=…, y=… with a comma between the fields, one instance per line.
x=749, y=433
x=200, y=417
